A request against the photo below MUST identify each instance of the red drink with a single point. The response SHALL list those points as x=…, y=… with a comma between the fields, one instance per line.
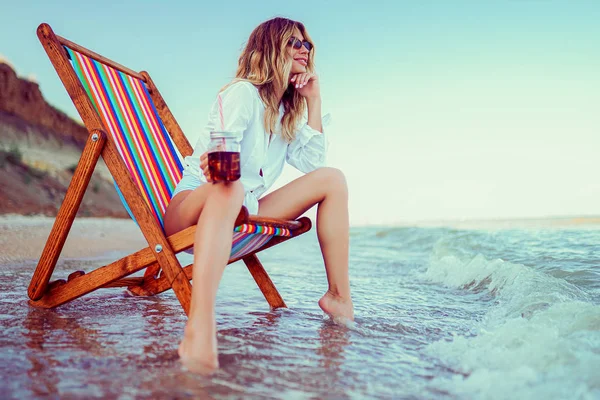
x=224, y=165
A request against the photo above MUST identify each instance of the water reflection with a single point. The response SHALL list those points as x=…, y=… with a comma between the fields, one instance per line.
x=43, y=376
x=50, y=340
x=267, y=320
x=157, y=317
x=333, y=339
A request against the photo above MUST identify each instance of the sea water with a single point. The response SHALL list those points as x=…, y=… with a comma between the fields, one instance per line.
x=441, y=313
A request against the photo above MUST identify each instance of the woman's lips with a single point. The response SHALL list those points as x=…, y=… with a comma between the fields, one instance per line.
x=302, y=61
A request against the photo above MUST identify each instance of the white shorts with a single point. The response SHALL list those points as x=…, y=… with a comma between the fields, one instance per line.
x=190, y=181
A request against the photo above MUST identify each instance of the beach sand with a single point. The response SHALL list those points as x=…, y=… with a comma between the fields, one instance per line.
x=23, y=237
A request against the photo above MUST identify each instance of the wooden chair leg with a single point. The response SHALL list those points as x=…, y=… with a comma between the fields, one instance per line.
x=81, y=284
x=66, y=214
x=149, y=226
x=263, y=281
x=152, y=283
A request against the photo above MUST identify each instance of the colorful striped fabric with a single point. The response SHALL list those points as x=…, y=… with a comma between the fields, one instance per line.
x=263, y=230
x=244, y=243
x=250, y=237
x=127, y=111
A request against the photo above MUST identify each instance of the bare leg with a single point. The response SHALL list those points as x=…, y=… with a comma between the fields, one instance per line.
x=327, y=188
x=214, y=208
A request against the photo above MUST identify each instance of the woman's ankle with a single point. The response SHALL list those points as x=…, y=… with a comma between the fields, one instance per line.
x=337, y=295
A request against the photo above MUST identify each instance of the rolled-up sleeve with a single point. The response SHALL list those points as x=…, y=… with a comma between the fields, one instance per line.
x=308, y=151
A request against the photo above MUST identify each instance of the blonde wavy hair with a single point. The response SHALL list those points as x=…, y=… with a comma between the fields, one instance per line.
x=265, y=63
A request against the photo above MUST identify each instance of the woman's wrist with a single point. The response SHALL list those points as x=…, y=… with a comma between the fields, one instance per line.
x=314, y=113
x=313, y=101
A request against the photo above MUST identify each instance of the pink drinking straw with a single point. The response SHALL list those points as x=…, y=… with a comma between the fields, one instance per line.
x=221, y=112
x=221, y=118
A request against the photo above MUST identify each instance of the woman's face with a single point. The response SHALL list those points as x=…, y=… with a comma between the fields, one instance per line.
x=299, y=55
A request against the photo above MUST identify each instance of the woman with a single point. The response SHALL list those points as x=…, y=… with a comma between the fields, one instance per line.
x=275, y=88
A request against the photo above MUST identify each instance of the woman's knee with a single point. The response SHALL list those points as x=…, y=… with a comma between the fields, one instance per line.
x=228, y=192
x=332, y=180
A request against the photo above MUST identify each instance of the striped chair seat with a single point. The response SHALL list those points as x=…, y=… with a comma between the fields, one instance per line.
x=126, y=108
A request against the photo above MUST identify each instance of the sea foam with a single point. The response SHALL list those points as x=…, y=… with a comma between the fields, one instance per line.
x=540, y=337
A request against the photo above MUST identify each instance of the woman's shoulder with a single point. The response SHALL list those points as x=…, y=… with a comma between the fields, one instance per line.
x=241, y=88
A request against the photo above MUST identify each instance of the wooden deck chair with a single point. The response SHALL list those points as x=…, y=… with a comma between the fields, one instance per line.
x=133, y=130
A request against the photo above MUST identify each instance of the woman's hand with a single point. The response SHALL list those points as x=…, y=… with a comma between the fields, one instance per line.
x=307, y=84
x=204, y=166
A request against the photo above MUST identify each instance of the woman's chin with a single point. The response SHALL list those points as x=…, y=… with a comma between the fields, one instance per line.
x=298, y=69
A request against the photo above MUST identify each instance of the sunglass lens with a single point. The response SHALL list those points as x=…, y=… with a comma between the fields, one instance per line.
x=297, y=44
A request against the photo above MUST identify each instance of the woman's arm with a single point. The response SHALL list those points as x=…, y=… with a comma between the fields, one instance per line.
x=308, y=150
x=314, y=113
x=307, y=85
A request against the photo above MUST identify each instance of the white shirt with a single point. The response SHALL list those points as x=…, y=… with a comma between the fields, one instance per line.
x=243, y=111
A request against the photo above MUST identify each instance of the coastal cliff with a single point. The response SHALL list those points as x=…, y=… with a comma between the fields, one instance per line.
x=39, y=149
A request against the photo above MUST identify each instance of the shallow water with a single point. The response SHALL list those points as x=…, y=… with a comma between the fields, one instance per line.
x=440, y=313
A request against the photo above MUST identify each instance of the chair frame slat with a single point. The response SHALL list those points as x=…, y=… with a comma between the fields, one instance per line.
x=66, y=214
x=182, y=143
x=99, y=58
x=91, y=281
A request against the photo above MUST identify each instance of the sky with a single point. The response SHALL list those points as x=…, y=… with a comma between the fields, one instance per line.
x=441, y=110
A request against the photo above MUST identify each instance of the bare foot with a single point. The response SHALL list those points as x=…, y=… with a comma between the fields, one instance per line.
x=337, y=307
x=198, y=350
